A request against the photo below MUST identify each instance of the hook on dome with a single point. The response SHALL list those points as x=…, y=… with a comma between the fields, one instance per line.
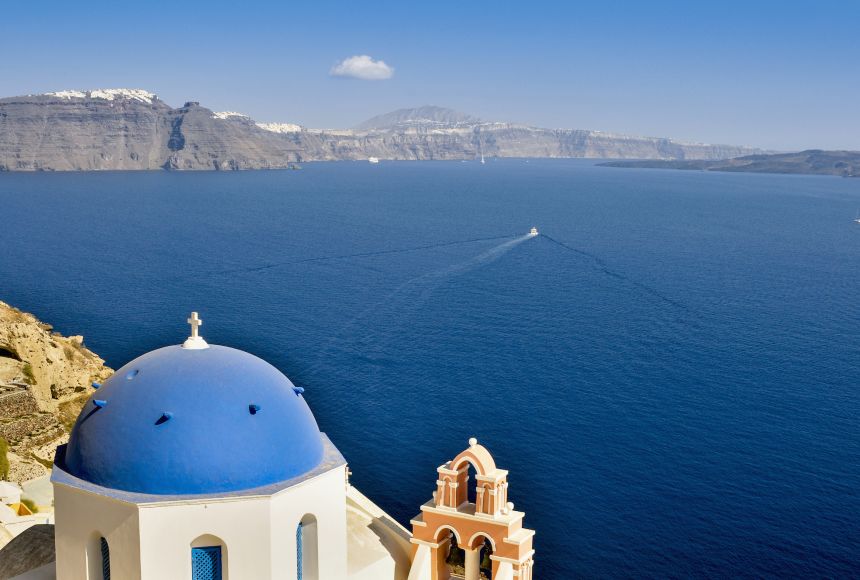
x=165, y=417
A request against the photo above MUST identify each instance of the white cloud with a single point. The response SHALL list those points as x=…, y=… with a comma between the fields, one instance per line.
x=362, y=67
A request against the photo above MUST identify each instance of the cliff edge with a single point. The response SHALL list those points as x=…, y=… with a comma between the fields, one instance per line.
x=45, y=378
x=132, y=129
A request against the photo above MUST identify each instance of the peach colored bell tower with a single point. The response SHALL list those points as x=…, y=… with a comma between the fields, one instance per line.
x=490, y=521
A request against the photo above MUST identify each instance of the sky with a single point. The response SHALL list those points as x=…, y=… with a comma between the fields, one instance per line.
x=778, y=75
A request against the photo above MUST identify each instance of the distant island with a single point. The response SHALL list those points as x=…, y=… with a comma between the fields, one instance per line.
x=810, y=162
x=132, y=129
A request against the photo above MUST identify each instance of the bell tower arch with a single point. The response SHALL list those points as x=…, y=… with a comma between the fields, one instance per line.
x=489, y=524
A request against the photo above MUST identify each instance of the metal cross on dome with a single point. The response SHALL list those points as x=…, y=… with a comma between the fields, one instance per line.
x=195, y=341
x=195, y=322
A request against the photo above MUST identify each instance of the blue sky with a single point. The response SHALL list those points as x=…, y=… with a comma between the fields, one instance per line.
x=780, y=75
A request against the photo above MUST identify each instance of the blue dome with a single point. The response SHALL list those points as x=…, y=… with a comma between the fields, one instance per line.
x=194, y=421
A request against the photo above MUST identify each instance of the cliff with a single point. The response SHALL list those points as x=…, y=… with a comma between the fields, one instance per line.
x=130, y=130
x=44, y=380
x=810, y=162
x=125, y=129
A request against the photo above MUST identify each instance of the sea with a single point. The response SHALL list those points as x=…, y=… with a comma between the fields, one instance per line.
x=669, y=370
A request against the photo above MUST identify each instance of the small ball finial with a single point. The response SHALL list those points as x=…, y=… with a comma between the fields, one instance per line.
x=473, y=442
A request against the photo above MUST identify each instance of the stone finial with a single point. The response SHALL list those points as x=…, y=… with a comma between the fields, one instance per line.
x=473, y=442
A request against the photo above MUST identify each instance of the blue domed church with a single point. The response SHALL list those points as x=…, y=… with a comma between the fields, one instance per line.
x=204, y=462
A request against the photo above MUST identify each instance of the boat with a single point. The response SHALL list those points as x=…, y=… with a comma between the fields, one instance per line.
x=533, y=232
x=373, y=159
x=857, y=217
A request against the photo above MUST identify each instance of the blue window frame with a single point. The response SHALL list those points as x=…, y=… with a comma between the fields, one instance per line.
x=105, y=558
x=206, y=563
x=299, y=565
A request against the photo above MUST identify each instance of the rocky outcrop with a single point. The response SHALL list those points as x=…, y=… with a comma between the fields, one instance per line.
x=124, y=129
x=44, y=380
x=31, y=549
x=52, y=367
x=201, y=140
x=810, y=162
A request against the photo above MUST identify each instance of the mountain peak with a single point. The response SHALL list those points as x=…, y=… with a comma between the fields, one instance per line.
x=425, y=117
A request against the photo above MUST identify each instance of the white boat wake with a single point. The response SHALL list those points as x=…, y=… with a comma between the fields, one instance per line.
x=409, y=296
x=430, y=282
x=368, y=254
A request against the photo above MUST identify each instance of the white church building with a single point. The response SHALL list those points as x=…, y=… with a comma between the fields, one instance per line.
x=204, y=462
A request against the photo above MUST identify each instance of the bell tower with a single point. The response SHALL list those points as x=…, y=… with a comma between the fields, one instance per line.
x=488, y=529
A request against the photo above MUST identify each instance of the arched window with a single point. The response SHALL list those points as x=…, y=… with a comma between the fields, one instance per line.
x=300, y=565
x=307, y=549
x=454, y=556
x=206, y=563
x=486, y=563
x=456, y=559
x=105, y=553
x=472, y=485
x=208, y=558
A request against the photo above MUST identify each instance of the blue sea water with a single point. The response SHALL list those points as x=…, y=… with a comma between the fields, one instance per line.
x=669, y=372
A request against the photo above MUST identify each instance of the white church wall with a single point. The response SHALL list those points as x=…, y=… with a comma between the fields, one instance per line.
x=153, y=541
x=378, y=546
x=241, y=525
x=323, y=497
x=422, y=564
x=81, y=519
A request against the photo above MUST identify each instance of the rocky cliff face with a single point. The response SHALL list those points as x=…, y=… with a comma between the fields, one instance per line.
x=44, y=380
x=61, y=132
x=810, y=162
x=67, y=133
x=123, y=129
